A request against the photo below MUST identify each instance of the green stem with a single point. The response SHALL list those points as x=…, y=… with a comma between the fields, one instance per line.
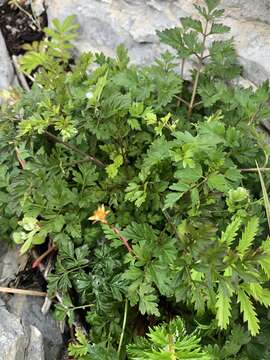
x=200, y=65
x=255, y=169
x=82, y=306
x=123, y=327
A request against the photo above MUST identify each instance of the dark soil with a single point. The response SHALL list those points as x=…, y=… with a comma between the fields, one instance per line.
x=18, y=29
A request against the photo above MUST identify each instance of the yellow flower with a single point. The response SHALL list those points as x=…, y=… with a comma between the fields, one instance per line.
x=100, y=215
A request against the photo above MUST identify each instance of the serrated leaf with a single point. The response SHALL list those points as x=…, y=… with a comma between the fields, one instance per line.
x=249, y=313
x=230, y=233
x=190, y=23
x=265, y=195
x=112, y=169
x=265, y=264
x=171, y=199
x=218, y=182
x=248, y=236
x=219, y=29
x=171, y=37
x=136, y=109
x=134, y=124
x=223, y=305
x=259, y=293
x=80, y=348
x=149, y=116
x=189, y=175
x=148, y=300
x=212, y=4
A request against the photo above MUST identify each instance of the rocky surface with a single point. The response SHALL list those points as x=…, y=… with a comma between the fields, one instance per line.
x=28, y=309
x=25, y=333
x=6, y=69
x=9, y=264
x=106, y=23
x=17, y=341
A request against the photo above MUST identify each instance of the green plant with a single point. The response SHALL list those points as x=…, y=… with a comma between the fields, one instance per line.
x=183, y=230
x=168, y=341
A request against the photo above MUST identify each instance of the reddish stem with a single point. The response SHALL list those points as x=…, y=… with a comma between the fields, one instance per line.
x=42, y=256
x=124, y=240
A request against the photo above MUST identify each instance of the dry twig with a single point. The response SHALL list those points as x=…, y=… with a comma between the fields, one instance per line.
x=22, y=291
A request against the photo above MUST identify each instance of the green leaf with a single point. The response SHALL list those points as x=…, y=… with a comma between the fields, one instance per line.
x=265, y=264
x=112, y=170
x=248, y=311
x=19, y=237
x=122, y=56
x=148, y=300
x=219, y=29
x=80, y=348
x=218, y=182
x=136, y=109
x=149, y=116
x=171, y=199
x=230, y=233
x=265, y=196
x=223, y=305
x=26, y=246
x=101, y=83
x=168, y=341
x=248, y=236
x=190, y=23
x=135, y=193
x=212, y=4
x=171, y=37
x=134, y=124
x=189, y=175
x=259, y=293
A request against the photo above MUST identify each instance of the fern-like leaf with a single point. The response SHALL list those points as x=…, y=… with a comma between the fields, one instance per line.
x=79, y=349
x=223, y=305
x=249, y=313
x=229, y=235
x=265, y=195
x=260, y=294
x=168, y=341
x=248, y=237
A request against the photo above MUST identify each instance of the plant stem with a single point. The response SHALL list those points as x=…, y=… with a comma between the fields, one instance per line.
x=41, y=257
x=200, y=65
x=82, y=306
x=255, y=169
x=74, y=148
x=123, y=327
x=180, y=99
x=124, y=240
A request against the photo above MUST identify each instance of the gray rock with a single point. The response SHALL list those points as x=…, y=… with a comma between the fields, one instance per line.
x=28, y=309
x=13, y=340
x=9, y=264
x=35, y=348
x=37, y=6
x=106, y=23
x=6, y=69
x=18, y=341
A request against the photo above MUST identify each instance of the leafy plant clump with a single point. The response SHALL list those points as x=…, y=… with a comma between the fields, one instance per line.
x=148, y=188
